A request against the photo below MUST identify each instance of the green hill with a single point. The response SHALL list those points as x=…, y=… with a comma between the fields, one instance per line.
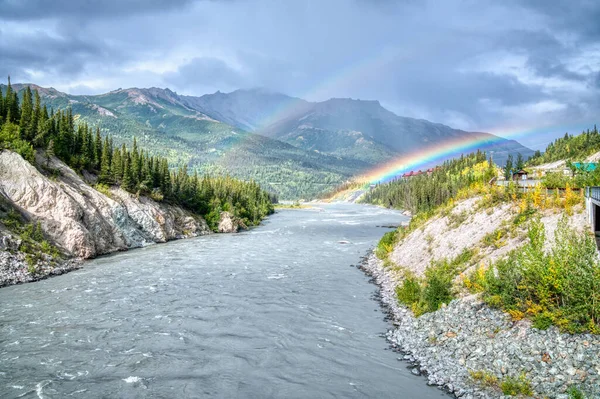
x=166, y=126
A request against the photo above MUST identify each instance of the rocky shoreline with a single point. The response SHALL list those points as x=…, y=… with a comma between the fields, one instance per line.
x=13, y=269
x=466, y=336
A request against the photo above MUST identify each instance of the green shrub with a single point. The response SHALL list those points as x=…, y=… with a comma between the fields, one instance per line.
x=496, y=238
x=475, y=281
x=104, y=189
x=438, y=285
x=429, y=293
x=561, y=287
x=516, y=386
x=575, y=393
x=386, y=244
x=484, y=378
x=32, y=232
x=525, y=215
x=409, y=292
x=31, y=263
x=543, y=321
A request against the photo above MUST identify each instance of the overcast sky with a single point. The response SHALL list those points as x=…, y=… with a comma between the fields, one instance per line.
x=512, y=66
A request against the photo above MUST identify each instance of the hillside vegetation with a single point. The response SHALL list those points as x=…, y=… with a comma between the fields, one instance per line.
x=27, y=125
x=505, y=255
x=167, y=126
x=569, y=148
x=424, y=193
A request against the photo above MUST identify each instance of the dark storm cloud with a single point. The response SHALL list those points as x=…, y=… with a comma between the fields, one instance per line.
x=472, y=64
x=203, y=71
x=40, y=51
x=575, y=16
x=42, y=9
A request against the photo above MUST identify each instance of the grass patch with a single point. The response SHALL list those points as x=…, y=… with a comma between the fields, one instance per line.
x=514, y=386
x=575, y=393
x=103, y=189
x=484, y=378
x=455, y=219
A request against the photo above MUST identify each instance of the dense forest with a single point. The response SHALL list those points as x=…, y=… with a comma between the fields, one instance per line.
x=425, y=192
x=569, y=147
x=27, y=126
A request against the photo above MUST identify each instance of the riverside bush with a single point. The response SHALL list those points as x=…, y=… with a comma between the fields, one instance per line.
x=515, y=386
x=436, y=288
x=560, y=287
x=575, y=393
x=386, y=244
x=484, y=378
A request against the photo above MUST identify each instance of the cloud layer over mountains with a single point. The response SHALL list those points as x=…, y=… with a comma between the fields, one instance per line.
x=519, y=65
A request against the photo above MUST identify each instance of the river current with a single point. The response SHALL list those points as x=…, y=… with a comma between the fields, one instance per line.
x=274, y=312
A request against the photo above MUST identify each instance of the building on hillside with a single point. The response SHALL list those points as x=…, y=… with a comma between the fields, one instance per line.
x=519, y=175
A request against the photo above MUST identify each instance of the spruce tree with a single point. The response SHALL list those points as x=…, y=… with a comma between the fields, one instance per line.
x=26, y=115
x=2, y=111
x=135, y=162
x=520, y=162
x=165, y=185
x=97, y=149
x=105, y=173
x=508, y=167
x=116, y=165
x=127, y=182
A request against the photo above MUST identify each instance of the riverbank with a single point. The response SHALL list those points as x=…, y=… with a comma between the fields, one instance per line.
x=51, y=219
x=466, y=347
x=465, y=342
x=16, y=266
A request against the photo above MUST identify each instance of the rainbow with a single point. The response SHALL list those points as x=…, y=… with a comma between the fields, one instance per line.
x=430, y=156
x=435, y=154
x=363, y=69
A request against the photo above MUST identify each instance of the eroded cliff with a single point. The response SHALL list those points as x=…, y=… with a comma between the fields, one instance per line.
x=76, y=218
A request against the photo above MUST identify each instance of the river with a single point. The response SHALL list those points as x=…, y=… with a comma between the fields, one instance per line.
x=274, y=312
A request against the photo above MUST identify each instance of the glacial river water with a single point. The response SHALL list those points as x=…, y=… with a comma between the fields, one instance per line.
x=275, y=312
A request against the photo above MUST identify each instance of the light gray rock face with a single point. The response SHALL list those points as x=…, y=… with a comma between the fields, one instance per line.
x=466, y=335
x=85, y=222
x=227, y=223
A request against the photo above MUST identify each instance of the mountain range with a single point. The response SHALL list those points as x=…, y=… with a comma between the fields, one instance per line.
x=295, y=148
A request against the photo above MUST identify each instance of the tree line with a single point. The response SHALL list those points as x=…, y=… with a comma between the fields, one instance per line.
x=425, y=192
x=26, y=126
x=569, y=147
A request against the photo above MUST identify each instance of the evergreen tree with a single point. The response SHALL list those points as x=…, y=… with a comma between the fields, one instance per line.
x=116, y=165
x=165, y=184
x=105, y=173
x=508, y=168
x=97, y=150
x=520, y=162
x=26, y=115
x=127, y=181
x=2, y=111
